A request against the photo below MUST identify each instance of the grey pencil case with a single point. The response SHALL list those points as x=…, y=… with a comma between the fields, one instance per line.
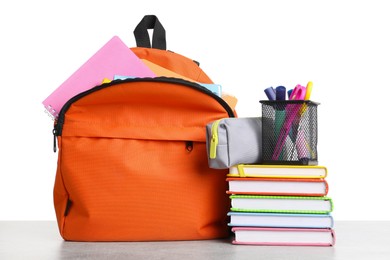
x=232, y=141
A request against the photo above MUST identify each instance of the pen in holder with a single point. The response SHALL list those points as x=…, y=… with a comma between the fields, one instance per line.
x=289, y=133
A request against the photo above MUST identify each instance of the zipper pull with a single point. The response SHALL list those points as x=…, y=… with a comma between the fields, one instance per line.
x=189, y=146
x=213, y=146
x=214, y=140
x=54, y=140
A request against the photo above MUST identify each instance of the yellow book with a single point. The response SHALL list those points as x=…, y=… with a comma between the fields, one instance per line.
x=106, y=80
x=278, y=171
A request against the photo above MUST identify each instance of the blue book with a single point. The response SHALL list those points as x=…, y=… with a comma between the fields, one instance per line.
x=215, y=88
x=282, y=220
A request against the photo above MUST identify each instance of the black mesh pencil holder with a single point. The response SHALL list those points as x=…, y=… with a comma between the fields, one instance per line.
x=289, y=133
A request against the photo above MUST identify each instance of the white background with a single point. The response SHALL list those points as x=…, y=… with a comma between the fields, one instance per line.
x=343, y=47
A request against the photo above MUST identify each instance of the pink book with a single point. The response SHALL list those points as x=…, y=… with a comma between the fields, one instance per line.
x=114, y=58
x=284, y=236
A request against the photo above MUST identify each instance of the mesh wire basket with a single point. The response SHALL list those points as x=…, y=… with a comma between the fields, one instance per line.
x=289, y=133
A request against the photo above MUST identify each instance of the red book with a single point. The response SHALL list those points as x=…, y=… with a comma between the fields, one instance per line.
x=278, y=186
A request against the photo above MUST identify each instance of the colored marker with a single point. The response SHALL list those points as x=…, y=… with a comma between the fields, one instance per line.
x=280, y=93
x=303, y=148
x=289, y=93
x=271, y=93
x=280, y=113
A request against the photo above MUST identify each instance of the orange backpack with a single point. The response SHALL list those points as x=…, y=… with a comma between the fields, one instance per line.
x=132, y=161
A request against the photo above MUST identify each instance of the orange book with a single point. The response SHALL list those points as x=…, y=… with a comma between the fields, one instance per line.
x=161, y=71
x=164, y=72
x=278, y=186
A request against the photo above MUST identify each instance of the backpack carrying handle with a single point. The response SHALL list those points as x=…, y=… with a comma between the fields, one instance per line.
x=142, y=36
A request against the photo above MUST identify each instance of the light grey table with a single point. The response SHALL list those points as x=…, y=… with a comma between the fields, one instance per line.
x=40, y=240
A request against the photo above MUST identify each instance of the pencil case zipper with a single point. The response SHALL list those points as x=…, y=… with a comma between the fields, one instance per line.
x=214, y=139
x=58, y=125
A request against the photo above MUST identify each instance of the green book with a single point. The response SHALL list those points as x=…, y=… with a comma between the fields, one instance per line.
x=281, y=204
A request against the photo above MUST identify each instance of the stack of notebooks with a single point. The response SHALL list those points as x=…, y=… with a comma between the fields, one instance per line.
x=280, y=205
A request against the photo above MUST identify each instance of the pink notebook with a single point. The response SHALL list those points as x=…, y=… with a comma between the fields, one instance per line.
x=284, y=236
x=114, y=58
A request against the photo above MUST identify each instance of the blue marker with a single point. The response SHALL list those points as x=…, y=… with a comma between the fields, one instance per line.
x=289, y=93
x=280, y=93
x=271, y=93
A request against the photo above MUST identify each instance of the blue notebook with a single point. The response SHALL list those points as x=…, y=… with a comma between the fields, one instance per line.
x=285, y=220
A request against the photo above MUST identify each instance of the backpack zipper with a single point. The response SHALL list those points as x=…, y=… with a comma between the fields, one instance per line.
x=54, y=140
x=58, y=125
